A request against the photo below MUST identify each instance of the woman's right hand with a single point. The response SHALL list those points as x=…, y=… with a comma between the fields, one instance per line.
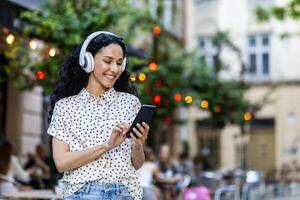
x=118, y=135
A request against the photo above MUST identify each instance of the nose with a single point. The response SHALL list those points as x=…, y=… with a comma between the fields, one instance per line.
x=114, y=67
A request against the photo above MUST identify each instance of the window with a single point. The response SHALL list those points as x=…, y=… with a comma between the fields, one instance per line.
x=259, y=55
x=208, y=50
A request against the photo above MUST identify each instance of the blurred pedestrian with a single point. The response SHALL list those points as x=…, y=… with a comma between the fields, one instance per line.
x=169, y=174
x=40, y=160
x=91, y=109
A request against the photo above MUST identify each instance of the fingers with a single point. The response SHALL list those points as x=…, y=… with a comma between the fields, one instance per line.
x=140, y=135
x=121, y=128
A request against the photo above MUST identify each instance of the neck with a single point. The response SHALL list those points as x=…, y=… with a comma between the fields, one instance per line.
x=94, y=88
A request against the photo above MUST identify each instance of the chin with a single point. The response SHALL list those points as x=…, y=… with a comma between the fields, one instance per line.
x=109, y=85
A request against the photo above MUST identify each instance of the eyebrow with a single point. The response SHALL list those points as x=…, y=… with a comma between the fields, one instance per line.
x=112, y=57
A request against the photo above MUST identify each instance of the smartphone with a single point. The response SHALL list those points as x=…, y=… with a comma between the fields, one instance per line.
x=145, y=114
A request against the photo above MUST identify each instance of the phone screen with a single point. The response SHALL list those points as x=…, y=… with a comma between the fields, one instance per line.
x=144, y=115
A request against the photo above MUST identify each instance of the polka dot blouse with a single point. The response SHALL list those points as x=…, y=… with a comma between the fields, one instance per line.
x=84, y=121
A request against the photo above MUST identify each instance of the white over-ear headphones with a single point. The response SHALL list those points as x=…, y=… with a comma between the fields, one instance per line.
x=86, y=59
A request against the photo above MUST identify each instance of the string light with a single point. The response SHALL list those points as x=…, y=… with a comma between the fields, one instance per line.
x=156, y=30
x=33, y=44
x=247, y=116
x=177, y=97
x=40, y=74
x=204, y=104
x=52, y=52
x=152, y=66
x=10, y=39
x=188, y=99
x=142, y=77
x=156, y=99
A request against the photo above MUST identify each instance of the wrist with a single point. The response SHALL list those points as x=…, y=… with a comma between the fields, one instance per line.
x=107, y=146
x=137, y=147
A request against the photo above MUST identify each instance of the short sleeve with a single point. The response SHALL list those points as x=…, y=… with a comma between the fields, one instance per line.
x=57, y=126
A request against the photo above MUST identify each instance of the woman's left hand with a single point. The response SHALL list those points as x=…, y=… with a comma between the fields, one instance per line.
x=141, y=133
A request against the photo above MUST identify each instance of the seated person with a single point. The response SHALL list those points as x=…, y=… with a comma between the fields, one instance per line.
x=11, y=170
x=40, y=162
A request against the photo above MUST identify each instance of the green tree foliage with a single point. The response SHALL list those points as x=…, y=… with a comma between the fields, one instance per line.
x=64, y=24
x=290, y=10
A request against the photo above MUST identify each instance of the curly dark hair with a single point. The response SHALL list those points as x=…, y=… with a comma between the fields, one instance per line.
x=72, y=78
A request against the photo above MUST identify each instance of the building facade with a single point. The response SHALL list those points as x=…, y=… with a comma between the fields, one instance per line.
x=273, y=76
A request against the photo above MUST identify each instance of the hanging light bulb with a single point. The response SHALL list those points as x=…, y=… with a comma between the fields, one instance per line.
x=177, y=97
x=156, y=99
x=10, y=39
x=204, y=104
x=156, y=30
x=188, y=99
x=247, y=116
x=40, y=74
x=142, y=77
x=152, y=66
x=52, y=52
x=33, y=44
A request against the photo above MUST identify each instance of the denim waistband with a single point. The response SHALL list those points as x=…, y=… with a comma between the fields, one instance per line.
x=98, y=186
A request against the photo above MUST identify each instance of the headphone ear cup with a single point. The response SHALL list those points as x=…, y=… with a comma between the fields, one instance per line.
x=89, y=62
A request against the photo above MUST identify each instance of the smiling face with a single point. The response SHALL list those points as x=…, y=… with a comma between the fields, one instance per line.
x=108, y=67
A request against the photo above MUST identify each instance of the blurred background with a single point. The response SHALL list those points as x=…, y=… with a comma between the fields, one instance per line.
x=224, y=75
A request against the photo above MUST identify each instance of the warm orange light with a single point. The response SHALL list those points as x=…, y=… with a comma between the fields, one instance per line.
x=142, y=77
x=10, y=39
x=40, y=75
x=204, y=104
x=188, y=99
x=217, y=108
x=156, y=30
x=177, y=97
x=156, y=99
x=152, y=66
x=247, y=116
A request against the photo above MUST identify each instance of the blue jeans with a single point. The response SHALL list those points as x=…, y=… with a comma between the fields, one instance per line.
x=101, y=191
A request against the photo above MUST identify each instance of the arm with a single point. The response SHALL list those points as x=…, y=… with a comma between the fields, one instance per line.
x=44, y=167
x=65, y=159
x=137, y=155
x=161, y=179
x=17, y=170
x=137, y=152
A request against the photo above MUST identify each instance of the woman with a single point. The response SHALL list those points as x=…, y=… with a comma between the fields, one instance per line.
x=91, y=109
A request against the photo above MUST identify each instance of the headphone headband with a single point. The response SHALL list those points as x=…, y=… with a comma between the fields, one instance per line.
x=86, y=43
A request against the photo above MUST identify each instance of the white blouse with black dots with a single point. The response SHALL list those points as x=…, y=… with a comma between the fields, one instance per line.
x=84, y=121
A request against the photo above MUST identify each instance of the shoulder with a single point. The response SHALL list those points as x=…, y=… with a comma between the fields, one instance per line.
x=66, y=102
x=129, y=98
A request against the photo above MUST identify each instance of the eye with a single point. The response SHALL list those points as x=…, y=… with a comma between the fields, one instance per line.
x=107, y=61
